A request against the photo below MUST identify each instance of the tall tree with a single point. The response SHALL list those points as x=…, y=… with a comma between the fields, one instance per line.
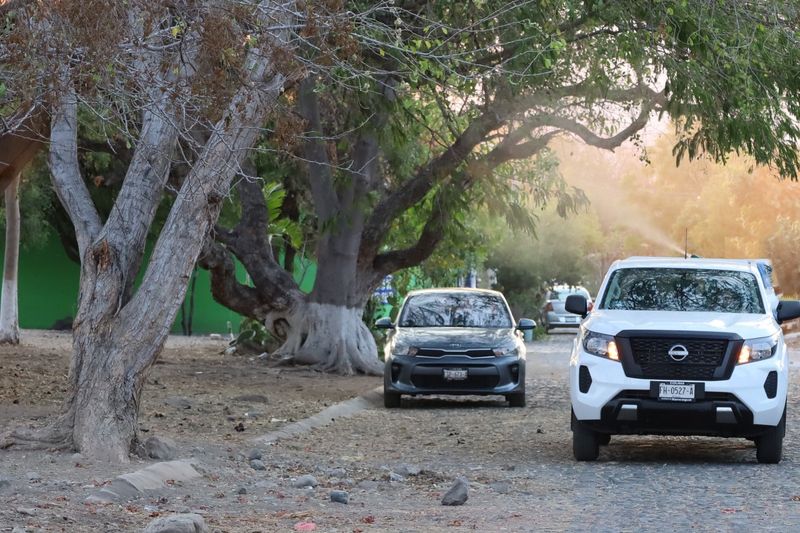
x=157, y=73
x=469, y=88
x=9, y=308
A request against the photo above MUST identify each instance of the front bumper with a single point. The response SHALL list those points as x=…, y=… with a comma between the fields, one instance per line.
x=425, y=375
x=738, y=406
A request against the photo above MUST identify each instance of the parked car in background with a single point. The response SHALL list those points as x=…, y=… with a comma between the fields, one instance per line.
x=454, y=341
x=554, y=315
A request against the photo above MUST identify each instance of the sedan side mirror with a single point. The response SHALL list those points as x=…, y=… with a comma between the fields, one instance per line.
x=788, y=310
x=576, y=304
x=526, y=324
x=384, y=323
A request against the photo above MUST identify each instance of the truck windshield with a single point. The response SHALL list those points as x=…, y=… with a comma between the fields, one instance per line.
x=683, y=289
x=457, y=309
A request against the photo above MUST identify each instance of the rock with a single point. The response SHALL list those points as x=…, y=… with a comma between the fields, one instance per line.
x=337, y=472
x=179, y=401
x=406, y=470
x=5, y=483
x=161, y=448
x=305, y=481
x=26, y=511
x=340, y=496
x=178, y=523
x=33, y=477
x=258, y=464
x=76, y=457
x=18, y=529
x=241, y=490
x=252, y=398
x=458, y=493
x=394, y=476
x=254, y=454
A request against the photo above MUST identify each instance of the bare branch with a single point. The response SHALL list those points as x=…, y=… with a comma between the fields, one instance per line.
x=65, y=170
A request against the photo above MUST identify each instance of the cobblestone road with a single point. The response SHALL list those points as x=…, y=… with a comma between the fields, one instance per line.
x=524, y=478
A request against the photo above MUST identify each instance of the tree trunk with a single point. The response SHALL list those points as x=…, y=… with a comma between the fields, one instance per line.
x=9, y=311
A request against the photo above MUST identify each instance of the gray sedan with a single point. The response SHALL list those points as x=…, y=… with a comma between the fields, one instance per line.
x=454, y=341
x=553, y=313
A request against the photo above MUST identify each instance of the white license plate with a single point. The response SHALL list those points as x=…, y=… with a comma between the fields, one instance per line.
x=455, y=374
x=676, y=391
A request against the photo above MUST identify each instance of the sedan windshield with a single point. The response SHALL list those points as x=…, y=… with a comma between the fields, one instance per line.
x=683, y=289
x=462, y=310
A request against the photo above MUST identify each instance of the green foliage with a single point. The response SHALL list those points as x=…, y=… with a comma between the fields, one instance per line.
x=564, y=251
x=35, y=206
x=254, y=338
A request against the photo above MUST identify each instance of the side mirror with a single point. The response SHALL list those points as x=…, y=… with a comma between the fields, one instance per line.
x=384, y=323
x=576, y=304
x=788, y=310
x=526, y=324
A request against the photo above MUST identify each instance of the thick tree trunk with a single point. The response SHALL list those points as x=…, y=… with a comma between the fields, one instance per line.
x=9, y=311
x=332, y=338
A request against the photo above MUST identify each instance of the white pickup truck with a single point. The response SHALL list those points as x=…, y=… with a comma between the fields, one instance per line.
x=681, y=347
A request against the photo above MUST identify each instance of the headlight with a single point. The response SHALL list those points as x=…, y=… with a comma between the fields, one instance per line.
x=600, y=345
x=405, y=350
x=758, y=349
x=509, y=350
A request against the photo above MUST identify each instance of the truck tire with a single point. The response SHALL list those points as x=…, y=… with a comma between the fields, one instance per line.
x=391, y=399
x=769, y=446
x=585, y=442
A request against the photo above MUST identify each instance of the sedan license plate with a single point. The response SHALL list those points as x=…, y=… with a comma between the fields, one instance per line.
x=676, y=391
x=455, y=374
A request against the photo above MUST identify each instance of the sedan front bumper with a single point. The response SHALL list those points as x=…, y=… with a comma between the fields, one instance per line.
x=426, y=375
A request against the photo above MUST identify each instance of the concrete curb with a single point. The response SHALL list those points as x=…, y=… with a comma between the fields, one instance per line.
x=343, y=409
x=152, y=478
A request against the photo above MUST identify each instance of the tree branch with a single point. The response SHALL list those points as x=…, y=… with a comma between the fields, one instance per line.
x=65, y=170
x=326, y=201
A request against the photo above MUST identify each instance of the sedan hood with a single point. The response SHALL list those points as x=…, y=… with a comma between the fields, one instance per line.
x=747, y=326
x=458, y=338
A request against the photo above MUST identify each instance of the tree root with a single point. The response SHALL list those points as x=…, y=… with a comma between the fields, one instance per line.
x=53, y=437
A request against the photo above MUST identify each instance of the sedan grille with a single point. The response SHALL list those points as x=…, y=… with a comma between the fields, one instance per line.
x=438, y=382
x=436, y=352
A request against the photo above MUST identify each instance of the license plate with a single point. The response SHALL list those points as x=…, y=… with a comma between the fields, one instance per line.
x=676, y=391
x=455, y=374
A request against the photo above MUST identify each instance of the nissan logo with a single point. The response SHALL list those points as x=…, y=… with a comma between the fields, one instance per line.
x=678, y=352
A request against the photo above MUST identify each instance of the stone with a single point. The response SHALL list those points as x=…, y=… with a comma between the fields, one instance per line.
x=305, y=481
x=394, y=476
x=179, y=401
x=178, y=523
x=340, y=496
x=157, y=476
x=161, y=448
x=257, y=464
x=337, y=473
x=5, y=483
x=254, y=454
x=26, y=511
x=458, y=493
x=406, y=470
x=33, y=477
x=241, y=490
x=18, y=529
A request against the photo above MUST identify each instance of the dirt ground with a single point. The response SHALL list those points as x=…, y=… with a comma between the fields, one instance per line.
x=193, y=390
x=210, y=403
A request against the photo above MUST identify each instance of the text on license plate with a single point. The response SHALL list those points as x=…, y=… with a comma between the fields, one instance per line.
x=455, y=374
x=677, y=392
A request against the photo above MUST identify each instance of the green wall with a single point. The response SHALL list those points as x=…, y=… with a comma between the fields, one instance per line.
x=48, y=291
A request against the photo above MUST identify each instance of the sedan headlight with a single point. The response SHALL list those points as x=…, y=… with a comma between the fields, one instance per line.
x=600, y=345
x=758, y=349
x=509, y=350
x=402, y=349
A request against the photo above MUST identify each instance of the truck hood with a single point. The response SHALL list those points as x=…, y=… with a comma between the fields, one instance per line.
x=747, y=326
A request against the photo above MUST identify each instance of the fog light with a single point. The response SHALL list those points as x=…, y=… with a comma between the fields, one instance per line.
x=395, y=371
x=514, y=369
